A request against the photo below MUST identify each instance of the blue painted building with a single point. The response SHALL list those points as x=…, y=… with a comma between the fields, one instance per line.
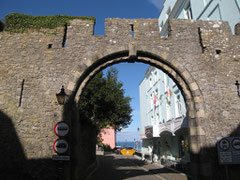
x=226, y=10
x=163, y=118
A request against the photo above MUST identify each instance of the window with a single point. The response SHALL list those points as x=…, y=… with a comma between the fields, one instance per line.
x=158, y=118
x=188, y=11
x=177, y=105
x=155, y=76
x=150, y=82
x=165, y=82
x=169, y=114
x=156, y=100
x=151, y=101
x=152, y=120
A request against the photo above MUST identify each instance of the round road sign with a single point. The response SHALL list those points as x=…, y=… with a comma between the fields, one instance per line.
x=224, y=144
x=60, y=146
x=236, y=143
x=61, y=129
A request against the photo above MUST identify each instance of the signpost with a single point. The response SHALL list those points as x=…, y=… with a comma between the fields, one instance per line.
x=60, y=146
x=228, y=151
x=61, y=129
x=60, y=158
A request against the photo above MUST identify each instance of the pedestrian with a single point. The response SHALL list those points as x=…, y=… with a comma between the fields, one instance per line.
x=150, y=150
x=143, y=157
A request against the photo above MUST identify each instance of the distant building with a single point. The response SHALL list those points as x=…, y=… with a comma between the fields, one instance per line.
x=163, y=117
x=226, y=10
x=108, y=136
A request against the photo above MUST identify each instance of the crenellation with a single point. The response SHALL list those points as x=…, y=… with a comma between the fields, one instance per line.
x=206, y=77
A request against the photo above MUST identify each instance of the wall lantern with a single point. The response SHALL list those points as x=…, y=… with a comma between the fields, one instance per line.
x=62, y=96
x=238, y=91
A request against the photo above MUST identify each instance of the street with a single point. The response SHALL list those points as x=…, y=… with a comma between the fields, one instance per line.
x=118, y=167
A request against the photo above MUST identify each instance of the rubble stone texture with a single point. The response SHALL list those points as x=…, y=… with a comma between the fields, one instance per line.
x=202, y=57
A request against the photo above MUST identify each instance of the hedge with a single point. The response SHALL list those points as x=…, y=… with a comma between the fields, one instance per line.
x=17, y=22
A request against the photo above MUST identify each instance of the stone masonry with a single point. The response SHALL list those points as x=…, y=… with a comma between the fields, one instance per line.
x=202, y=57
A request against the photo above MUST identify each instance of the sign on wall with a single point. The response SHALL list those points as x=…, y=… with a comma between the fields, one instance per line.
x=60, y=146
x=228, y=150
x=61, y=129
x=60, y=158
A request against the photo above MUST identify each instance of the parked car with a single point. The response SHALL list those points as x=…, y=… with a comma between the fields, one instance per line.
x=128, y=151
x=117, y=149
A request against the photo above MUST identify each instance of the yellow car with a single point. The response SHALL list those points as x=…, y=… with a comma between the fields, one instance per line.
x=128, y=151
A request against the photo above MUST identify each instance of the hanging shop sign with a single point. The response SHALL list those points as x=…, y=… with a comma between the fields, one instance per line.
x=60, y=146
x=61, y=129
x=228, y=150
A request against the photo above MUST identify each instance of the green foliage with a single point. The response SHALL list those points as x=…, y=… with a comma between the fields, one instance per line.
x=16, y=22
x=104, y=104
x=107, y=148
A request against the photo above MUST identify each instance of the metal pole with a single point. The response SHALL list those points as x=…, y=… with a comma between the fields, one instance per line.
x=227, y=175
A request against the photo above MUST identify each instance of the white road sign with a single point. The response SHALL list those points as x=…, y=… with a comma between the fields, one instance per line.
x=60, y=146
x=236, y=143
x=61, y=158
x=228, y=150
x=224, y=144
x=61, y=129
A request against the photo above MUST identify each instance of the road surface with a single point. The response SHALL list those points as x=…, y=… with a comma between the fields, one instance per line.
x=119, y=167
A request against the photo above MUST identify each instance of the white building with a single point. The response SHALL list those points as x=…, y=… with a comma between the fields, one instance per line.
x=226, y=10
x=163, y=117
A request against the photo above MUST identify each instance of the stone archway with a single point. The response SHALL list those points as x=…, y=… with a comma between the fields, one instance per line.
x=181, y=76
x=201, y=56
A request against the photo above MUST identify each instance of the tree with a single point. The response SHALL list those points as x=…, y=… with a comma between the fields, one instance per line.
x=104, y=104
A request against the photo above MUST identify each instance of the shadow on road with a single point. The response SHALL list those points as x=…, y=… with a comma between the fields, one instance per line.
x=121, y=167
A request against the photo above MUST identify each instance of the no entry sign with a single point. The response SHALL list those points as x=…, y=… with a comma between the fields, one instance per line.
x=60, y=146
x=61, y=129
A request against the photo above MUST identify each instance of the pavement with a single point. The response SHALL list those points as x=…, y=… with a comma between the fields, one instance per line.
x=119, y=167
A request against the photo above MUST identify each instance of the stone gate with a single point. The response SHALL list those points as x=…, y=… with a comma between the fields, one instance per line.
x=201, y=57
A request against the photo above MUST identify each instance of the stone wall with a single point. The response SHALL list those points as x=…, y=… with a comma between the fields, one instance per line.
x=202, y=57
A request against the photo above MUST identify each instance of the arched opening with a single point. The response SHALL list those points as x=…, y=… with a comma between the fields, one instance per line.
x=181, y=77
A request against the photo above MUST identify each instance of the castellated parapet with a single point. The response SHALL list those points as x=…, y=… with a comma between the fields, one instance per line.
x=202, y=57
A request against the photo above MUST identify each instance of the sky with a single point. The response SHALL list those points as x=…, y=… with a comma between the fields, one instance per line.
x=130, y=74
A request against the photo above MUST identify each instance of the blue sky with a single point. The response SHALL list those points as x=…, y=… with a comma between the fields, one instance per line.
x=130, y=74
